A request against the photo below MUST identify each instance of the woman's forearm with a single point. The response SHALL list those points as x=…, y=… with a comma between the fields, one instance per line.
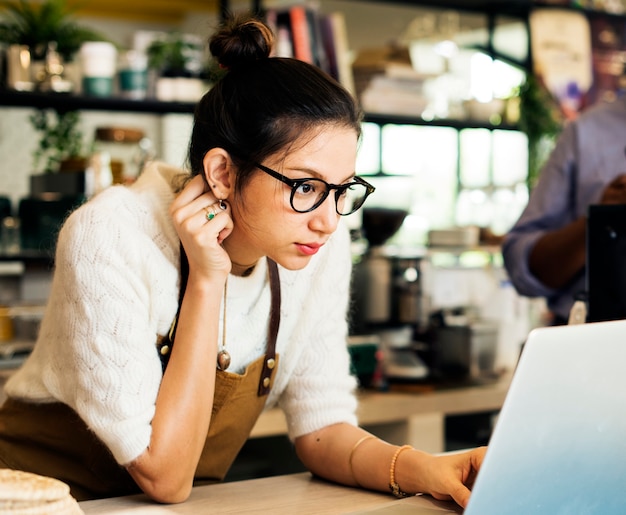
x=349, y=455
x=328, y=454
x=165, y=471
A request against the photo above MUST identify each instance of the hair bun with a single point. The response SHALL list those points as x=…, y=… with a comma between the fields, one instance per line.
x=241, y=40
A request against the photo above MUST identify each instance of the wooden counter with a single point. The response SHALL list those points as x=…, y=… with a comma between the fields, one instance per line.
x=417, y=419
x=299, y=494
x=414, y=418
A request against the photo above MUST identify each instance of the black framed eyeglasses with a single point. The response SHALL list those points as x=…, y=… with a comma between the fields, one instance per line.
x=309, y=193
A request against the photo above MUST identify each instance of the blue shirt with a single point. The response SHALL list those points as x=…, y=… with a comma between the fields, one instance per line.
x=589, y=153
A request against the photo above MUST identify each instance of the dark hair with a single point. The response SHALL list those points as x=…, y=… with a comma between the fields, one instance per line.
x=262, y=104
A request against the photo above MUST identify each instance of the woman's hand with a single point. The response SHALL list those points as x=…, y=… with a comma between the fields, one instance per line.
x=201, y=237
x=451, y=476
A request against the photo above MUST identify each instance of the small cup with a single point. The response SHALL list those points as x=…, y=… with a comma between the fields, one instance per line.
x=133, y=75
x=98, y=63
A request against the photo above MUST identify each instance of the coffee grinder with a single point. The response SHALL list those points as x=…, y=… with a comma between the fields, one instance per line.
x=387, y=294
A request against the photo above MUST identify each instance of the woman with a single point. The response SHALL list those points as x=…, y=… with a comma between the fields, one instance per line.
x=251, y=261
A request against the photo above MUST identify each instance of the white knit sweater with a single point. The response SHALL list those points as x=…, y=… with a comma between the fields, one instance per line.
x=115, y=287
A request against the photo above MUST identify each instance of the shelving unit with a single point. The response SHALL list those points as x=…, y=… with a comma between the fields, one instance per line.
x=492, y=9
x=69, y=102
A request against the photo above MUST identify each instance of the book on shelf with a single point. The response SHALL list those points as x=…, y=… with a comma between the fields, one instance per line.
x=282, y=33
x=321, y=39
x=301, y=34
x=338, y=41
x=318, y=51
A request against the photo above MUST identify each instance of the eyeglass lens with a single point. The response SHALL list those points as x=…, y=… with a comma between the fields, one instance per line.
x=306, y=196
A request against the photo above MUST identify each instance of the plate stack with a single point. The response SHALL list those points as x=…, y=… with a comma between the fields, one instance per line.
x=23, y=493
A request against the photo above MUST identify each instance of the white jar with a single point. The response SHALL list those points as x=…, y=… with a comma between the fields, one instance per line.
x=99, y=64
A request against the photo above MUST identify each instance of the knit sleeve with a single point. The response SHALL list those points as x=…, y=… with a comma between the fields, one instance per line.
x=321, y=389
x=111, y=295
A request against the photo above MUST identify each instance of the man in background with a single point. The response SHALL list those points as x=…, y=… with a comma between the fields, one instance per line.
x=545, y=251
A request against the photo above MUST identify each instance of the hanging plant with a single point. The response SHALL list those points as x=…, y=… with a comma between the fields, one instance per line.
x=541, y=120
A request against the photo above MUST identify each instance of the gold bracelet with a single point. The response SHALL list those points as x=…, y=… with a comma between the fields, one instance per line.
x=359, y=442
x=393, y=485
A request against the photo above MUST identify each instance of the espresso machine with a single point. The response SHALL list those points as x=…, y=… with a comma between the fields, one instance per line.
x=387, y=295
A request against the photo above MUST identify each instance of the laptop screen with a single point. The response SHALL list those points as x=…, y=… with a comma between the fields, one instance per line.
x=559, y=444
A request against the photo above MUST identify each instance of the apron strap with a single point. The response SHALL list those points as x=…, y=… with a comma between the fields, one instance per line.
x=270, y=354
x=165, y=345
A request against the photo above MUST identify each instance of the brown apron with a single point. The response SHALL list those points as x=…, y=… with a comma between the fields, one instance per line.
x=52, y=440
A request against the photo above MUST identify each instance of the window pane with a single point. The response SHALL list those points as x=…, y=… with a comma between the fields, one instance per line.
x=475, y=158
x=368, y=155
x=391, y=191
x=414, y=150
x=474, y=207
x=510, y=37
x=508, y=204
x=400, y=144
x=429, y=156
x=510, y=157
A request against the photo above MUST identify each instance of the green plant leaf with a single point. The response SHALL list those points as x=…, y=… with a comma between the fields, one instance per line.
x=174, y=53
x=36, y=25
x=60, y=138
x=541, y=121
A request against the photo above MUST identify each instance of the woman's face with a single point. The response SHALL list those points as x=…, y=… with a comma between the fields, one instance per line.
x=265, y=224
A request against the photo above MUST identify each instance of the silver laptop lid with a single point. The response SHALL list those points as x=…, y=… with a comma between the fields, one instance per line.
x=559, y=444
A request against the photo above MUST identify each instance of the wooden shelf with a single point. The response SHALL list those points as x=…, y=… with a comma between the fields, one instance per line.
x=516, y=8
x=67, y=102
x=509, y=7
x=381, y=119
x=16, y=264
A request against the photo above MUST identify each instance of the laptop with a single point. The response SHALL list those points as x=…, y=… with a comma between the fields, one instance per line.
x=559, y=444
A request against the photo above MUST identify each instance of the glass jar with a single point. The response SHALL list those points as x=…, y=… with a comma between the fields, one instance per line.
x=128, y=149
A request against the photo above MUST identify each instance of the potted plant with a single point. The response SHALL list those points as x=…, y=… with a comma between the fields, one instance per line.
x=60, y=149
x=176, y=61
x=38, y=26
x=175, y=55
x=60, y=139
